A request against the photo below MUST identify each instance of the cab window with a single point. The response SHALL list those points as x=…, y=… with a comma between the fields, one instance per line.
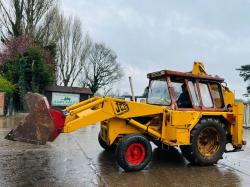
x=205, y=95
x=216, y=95
x=193, y=92
x=158, y=93
x=181, y=94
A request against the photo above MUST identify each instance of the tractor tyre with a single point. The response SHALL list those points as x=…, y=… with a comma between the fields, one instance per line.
x=104, y=145
x=133, y=152
x=208, y=142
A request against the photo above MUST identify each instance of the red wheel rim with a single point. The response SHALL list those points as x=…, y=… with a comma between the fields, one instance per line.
x=135, y=153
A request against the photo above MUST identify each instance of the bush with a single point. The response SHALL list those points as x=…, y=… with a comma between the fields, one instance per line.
x=6, y=86
x=29, y=72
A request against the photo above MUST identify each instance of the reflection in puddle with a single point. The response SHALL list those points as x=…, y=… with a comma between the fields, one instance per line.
x=76, y=159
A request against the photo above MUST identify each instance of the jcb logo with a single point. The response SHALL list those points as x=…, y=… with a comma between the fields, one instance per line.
x=121, y=107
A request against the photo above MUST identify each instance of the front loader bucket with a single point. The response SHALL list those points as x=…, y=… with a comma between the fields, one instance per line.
x=40, y=125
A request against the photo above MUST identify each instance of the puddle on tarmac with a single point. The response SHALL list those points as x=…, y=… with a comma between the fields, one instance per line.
x=76, y=159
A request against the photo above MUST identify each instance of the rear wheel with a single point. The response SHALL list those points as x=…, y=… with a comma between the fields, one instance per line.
x=208, y=142
x=104, y=145
x=133, y=152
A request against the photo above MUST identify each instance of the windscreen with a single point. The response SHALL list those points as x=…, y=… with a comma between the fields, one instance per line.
x=158, y=93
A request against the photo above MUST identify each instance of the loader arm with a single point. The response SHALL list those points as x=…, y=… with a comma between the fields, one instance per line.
x=44, y=123
x=98, y=109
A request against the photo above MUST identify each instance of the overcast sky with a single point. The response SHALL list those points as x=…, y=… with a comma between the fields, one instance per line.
x=150, y=35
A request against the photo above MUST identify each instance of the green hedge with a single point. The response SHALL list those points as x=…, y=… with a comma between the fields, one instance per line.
x=6, y=86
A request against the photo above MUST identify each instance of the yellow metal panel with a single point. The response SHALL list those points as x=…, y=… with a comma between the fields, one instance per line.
x=184, y=119
x=134, y=109
x=180, y=123
x=228, y=97
x=87, y=118
x=199, y=68
x=238, y=126
x=170, y=135
x=116, y=127
x=165, y=124
x=183, y=136
x=87, y=106
x=107, y=107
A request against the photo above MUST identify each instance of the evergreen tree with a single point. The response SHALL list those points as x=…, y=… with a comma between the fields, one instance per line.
x=29, y=72
x=245, y=74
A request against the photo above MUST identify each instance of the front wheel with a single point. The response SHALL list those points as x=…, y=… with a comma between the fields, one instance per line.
x=208, y=142
x=133, y=152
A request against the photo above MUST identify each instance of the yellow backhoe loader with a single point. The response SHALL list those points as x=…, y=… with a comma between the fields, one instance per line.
x=193, y=111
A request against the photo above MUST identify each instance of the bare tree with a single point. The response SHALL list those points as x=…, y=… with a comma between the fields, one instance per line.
x=22, y=17
x=101, y=68
x=110, y=91
x=48, y=32
x=107, y=90
x=11, y=17
x=73, y=49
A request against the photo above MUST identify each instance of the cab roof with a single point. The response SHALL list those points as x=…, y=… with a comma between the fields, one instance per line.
x=165, y=73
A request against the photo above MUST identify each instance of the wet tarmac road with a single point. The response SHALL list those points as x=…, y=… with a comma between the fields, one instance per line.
x=76, y=159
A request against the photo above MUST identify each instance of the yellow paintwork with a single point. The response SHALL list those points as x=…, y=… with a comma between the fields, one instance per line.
x=119, y=117
x=237, y=130
x=199, y=69
x=105, y=108
x=174, y=130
